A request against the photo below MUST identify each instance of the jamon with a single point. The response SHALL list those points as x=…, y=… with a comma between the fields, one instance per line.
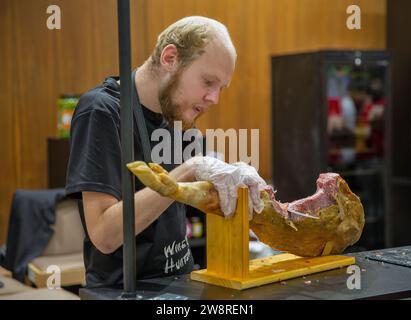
x=339, y=213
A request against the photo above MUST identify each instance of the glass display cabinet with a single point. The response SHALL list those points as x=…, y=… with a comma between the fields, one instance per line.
x=329, y=114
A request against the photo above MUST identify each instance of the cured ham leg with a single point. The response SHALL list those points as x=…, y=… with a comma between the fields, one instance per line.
x=338, y=215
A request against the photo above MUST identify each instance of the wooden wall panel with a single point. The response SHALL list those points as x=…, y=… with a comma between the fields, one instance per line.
x=40, y=64
x=261, y=28
x=33, y=90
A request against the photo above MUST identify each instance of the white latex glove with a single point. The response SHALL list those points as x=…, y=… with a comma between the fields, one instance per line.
x=226, y=178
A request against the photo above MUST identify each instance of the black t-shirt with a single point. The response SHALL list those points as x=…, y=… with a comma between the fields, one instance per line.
x=162, y=248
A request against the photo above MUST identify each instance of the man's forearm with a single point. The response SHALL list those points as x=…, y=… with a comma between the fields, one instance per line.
x=152, y=204
x=149, y=205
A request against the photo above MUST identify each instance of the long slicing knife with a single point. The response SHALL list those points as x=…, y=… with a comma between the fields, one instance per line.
x=305, y=215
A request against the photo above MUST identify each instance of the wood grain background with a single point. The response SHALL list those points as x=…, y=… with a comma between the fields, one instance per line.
x=37, y=64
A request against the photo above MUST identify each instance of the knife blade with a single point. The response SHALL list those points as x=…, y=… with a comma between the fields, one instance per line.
x=305, y=215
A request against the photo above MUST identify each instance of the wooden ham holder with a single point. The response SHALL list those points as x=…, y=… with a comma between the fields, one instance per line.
x=228, y=263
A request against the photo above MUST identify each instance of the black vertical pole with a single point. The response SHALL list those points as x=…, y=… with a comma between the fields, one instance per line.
x=127, y=150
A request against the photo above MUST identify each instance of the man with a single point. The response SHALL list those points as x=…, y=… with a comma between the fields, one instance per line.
x=193, y=61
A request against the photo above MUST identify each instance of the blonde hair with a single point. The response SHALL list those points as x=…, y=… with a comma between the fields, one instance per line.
x=190, y=35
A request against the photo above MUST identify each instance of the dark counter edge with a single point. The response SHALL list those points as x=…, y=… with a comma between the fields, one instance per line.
x=380, y=281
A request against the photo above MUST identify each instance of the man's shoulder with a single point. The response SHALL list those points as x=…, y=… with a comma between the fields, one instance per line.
x=104, y=98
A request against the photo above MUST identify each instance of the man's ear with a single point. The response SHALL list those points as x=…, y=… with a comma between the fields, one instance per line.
x=169, y=58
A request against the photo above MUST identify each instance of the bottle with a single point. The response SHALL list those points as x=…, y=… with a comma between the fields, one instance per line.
x=197, y=227
x=66, y=105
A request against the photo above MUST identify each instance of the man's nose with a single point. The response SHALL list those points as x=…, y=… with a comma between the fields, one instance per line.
x=213, y=96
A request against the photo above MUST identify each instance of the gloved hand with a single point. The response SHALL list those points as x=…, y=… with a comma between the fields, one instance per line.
x=226, y=178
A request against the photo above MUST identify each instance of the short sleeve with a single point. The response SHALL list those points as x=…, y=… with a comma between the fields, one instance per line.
x=95, y=155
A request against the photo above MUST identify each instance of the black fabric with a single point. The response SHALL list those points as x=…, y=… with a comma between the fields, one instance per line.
x=138, y=114
x=95, y=165
x=32, y=214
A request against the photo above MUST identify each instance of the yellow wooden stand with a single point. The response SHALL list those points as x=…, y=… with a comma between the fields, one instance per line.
x=228, y=264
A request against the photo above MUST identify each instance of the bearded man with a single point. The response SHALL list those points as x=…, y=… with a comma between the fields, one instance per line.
x=193, y=60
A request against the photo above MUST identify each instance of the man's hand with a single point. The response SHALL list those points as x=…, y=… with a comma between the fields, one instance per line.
x=226, y=178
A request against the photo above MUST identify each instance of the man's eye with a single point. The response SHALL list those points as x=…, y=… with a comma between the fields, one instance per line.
x=208, y=83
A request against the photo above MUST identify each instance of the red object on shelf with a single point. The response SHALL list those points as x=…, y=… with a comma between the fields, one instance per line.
x=334, y=106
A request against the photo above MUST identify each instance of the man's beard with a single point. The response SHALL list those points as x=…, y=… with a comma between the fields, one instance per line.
x=172, y=111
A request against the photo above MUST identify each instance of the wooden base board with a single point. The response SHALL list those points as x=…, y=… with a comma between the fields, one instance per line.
x=5, y=273
x=69, y=277
x=274, y=269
